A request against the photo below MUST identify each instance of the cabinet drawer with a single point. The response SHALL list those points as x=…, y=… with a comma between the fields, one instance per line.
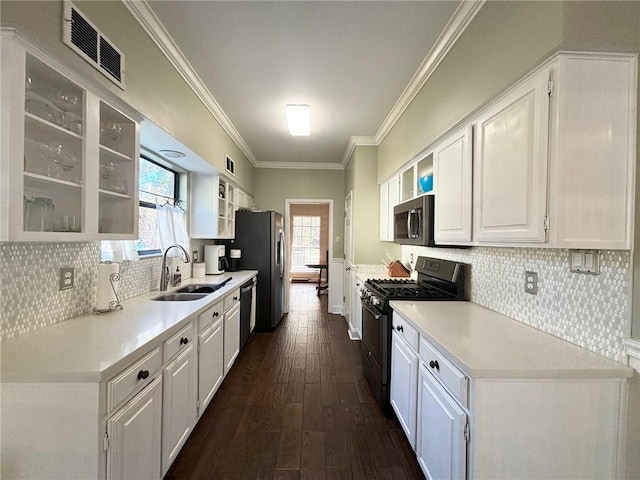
x=180, y=340
x=210, y=315
x=448, y=374
x=404, y=328
x=231, y=299
x=132, y=379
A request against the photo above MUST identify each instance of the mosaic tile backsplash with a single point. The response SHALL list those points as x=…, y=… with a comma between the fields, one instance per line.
x=29, y=294
x=593, y=311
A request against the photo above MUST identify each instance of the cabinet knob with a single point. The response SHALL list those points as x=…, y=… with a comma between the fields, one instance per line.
x=184, y=341
x=434, y=364
x=399, y=328
x=215, y=314
x=235, y=299
x=143, y=374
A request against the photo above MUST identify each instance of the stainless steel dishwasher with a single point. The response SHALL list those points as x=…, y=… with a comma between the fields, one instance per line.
x=246, y=310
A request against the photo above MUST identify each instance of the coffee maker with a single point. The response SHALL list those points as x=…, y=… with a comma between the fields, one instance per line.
x=214, y=259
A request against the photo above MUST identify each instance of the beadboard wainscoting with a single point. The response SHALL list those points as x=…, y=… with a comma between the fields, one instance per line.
x=593, y=311
x=29, y=282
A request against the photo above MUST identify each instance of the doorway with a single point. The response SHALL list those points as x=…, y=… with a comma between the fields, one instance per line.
x=309, y=225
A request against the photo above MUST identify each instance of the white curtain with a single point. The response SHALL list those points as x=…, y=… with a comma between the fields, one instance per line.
x=172, y=223
x=118, y=250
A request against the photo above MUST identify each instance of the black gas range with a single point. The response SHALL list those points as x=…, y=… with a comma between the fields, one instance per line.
x=438, y=279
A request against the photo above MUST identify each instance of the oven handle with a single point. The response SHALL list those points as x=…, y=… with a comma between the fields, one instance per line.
x=409, y=224
x=377, y=316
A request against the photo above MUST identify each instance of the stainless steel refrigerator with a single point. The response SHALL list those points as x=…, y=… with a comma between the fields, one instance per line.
x=260, y=237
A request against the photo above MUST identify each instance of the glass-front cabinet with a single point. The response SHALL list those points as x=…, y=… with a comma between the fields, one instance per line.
x=68, y=158
x=118, y=171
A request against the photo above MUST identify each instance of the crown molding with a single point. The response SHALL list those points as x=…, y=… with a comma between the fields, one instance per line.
x=353, y=143
x=300, y=165
x=149, y=21
x=458, y=23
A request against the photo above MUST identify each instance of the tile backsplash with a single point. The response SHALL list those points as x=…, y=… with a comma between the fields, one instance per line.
x=593, y=311
x=30, y=298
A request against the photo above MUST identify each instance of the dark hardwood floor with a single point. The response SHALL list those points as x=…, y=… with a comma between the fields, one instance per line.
x=296, y=405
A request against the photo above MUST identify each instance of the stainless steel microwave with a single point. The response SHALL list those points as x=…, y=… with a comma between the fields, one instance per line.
x=413, y=222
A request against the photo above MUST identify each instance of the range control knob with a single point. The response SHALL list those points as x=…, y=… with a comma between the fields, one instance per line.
x=375, y=300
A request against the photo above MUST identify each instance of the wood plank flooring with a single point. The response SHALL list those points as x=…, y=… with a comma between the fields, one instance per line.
x=296, y=405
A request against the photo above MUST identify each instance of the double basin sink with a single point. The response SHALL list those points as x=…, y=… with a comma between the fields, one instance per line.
x=195, y=291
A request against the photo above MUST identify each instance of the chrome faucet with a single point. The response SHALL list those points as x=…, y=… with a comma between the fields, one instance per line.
x=164, y=274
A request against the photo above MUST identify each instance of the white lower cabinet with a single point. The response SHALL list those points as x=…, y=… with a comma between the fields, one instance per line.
x=134, y=434
x=179, y=410
x=231, y=336
x=440, y=443
x=210, y=363
x=404, y=377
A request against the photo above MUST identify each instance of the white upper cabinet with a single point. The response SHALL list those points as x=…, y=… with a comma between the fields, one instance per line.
x=593, y=151
x=452, y=173
x=389, y=198
x=510, y=165
x=69, y=159
x=214, y=202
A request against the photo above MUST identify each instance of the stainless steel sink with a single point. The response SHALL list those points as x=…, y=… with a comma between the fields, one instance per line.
x=198, y=288
x=180, y=297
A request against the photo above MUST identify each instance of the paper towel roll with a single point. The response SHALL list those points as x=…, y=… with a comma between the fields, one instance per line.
x=106, y=293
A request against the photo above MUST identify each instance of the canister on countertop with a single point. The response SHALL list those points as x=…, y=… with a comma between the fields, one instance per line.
x=198, y=270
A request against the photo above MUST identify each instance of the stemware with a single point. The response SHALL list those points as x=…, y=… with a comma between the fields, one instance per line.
x=65, y=100
x=66, y=162
x=106, y=170
x=111, y=130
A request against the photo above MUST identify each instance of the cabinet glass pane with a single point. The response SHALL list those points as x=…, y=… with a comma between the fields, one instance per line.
x=407, y=184
x=424, y=181
x=117, y=172
x=53, y=164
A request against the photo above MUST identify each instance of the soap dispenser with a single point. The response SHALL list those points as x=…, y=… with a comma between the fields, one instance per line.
x=177, y=277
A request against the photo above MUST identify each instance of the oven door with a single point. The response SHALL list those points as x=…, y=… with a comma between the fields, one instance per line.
x=375, y=351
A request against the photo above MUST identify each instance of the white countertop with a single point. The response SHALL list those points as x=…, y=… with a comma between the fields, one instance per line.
x=486, y=344
x=91, y=348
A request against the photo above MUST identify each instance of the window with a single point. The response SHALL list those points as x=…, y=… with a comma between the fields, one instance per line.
x=305, y=242
x=157, y=183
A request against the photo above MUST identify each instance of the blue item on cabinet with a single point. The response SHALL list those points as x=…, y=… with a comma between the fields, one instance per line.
x=426, y=183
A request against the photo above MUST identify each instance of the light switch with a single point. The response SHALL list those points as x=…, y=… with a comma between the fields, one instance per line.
x=585, y=261
x=588, y=260
x=576, y=259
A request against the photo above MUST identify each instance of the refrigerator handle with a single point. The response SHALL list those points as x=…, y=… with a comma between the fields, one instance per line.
x=281, y=252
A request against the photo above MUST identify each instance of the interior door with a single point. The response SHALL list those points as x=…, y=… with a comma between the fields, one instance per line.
x=348, y=258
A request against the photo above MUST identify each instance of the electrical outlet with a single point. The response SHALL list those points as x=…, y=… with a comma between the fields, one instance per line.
x=531, y=283
x=66, y=278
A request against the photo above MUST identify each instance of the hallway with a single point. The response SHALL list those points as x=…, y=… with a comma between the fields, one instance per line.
x=296, y=405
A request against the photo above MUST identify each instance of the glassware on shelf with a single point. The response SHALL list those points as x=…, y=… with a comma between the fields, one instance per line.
x=119, y=185
x=106, y=171
x=36, y=158
x=65, y=100
x=111, y=130
x=39, y=214
x=65, y=161
x=66, y=223
x=40, y=107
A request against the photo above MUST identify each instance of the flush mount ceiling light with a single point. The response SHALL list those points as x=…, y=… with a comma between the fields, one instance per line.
x=172, y=153
x=298, y=119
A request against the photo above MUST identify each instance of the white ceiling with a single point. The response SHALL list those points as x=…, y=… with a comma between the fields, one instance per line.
x=350, y=61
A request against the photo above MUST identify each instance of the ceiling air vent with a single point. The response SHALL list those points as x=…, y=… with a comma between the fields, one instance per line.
x=86, y=40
